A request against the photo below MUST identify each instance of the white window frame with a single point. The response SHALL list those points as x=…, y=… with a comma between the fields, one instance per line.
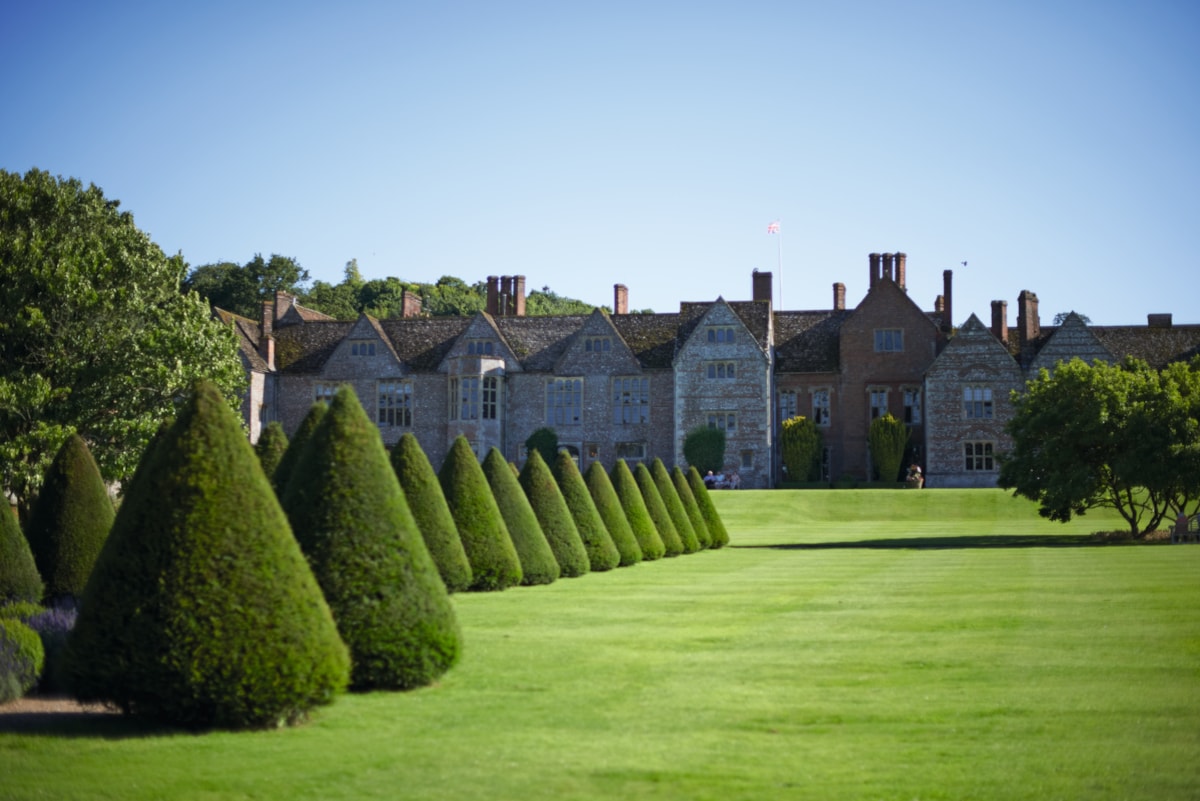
x=564, y=402
x=978, y=403
x=979, y=456
x=877, y=410
x=889, y=340
x=725, y=421
x=912, y=405
x=820, y=407
x=631, y=400
x=323, y=392
x=394, y=403
x=787, y=405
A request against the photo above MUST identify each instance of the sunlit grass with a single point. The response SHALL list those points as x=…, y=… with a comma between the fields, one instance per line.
x=875, y=644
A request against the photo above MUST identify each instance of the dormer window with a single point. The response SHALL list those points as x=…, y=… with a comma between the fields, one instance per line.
x=480, y=347
x=723, y=334
x=362, y=347
x=597, y=344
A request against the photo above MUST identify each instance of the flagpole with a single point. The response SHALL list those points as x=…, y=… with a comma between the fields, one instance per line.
x=774, y=228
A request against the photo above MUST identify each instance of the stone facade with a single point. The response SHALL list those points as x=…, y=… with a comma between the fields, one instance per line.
x=631, y=385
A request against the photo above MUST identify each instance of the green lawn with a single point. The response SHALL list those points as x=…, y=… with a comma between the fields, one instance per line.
x=848, y=645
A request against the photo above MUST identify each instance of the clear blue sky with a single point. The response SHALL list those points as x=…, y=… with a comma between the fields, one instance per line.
x=1054, y=146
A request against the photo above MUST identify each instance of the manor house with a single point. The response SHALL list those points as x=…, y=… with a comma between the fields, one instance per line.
x=630, y=386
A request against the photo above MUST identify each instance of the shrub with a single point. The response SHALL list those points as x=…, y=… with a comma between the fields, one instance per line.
x=271, y=446
x=716, y=526
x=552, y=512
x=201, y=610
x=20, y=610
x=428, y=506
x=672, y=544
x=485, y=538
x=21, y=658
x=545, y=442
x=690, y=508
x=602, y=552
x=70, y=520
x=19, y=579
x=636, y=513
x=353, y=523
x=800, y=442
x=674, y=506
x=608, y=505
x=287, y=463
x=704, y=449
x=887, y=436
x=538, y=564
x=53, y=626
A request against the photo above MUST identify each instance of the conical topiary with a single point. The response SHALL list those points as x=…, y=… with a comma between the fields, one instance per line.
x=201, y=609
x=609, y=507
x=70, y=521
x=689, y=505
x=672, y=544
x=352, y=522
x=636, y=513
x=537, y=560
x=19, y=579
x=670, y=499
x=716, y=527
x=552, y=512
x=485, y=538
x=602, y=552
x=272, y=444
x=287, y=463
x=429, y=509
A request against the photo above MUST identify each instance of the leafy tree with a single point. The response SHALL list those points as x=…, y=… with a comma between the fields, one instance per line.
x=672, y=543
x=716, y=526
x=201, y=609
x=636, y=513
x=554, y=516
x=537, y=559
x=704, y=449
x=287, y=463
x=674, y=506
x=1107, y=436
x=494, y=560
x=545, y=442
x=545, y=302
x=271, y=446
x=353, y=523
x=694, y=516
x=601, y=550
x=19, y=579
x=800, y=442
x=429, y=509
x=70, y=521
x=887, y=436
x=452, y=296
x=1061, y=317
x=242, y=289
x=608, y=505
x=339, y=301
x=95, y=336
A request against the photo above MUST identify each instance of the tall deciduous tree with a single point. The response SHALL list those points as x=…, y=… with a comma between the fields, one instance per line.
x=95, y=335
x=1124, y=437
x=241, y=289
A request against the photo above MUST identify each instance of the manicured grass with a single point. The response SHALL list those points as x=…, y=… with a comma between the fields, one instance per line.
x=847, y=645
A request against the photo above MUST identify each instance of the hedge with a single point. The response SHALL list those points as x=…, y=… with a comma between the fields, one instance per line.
x=494, y=561
x=538, y=564
x=636, y=513
x=602, y=552
x=554, y=516
x=673, y=545
x=609, y=506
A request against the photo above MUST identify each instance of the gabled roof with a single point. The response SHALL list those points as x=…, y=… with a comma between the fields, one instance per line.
x=539, y=342
x=249, y=334
x=754, y=314
x=423, y=342
x=305, y=348
x=807, y=341
x=651, y=337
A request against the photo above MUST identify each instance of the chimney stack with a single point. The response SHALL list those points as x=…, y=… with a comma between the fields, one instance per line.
x=887, y=266
x=874, y=259
x=901, y=270
x=410, y=303
x=493, y=296
x=839, y=296
x=620, y=299
x=1028, y=324
x=947, y=301
x=1000, y=320
x=506, y=285
x=266, y=341
x=518, y=295
x=762, y=286
x=1159, y=320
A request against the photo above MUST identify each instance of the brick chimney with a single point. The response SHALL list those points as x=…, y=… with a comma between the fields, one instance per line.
x=762, y=285
x=518, y=295
x=939, y=304
x=410, y=304
x=493, y=296
x=1159, y=320
x=1028, y=324
x=901, y=270
x=887, y=267
x=506, y=285
x=1000, y=320
x=620, y=299
x=874, y=260
x=839, y=296
x=947, y=300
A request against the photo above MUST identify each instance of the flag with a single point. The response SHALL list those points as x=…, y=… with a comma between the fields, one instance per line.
x=773, y=228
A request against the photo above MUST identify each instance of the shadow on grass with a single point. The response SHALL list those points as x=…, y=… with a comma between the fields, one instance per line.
x=90, y=725
x=971, y=541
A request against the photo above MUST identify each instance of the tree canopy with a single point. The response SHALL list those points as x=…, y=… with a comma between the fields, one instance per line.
x=1124, y=437
x=241, y=289
x=95, y=335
